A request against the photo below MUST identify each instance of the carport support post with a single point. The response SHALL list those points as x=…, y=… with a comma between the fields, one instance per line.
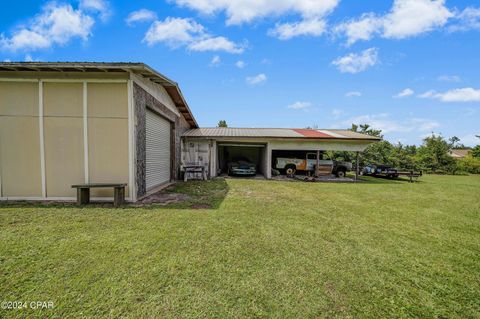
x=356, y=166
x=318, y=162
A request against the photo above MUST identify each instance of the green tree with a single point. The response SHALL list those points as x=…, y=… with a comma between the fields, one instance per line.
x=455, y=143
x=434, y=155
x=404, y=156
x=378, y=153
x=375, y=153
x=469, y=164
x=475, y=151
x=366, y=129
x=222, y=123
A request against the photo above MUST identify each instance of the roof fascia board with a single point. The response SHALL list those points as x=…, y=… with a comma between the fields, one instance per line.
x=150, y=88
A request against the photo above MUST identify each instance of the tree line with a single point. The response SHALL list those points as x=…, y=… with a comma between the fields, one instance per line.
x=433, y=156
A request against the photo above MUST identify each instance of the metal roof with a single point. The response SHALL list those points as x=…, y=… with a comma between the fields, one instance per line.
x=459, y=153
x=138, y=68
x=277, y=133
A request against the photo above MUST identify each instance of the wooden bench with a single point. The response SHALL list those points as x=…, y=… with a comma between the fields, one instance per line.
x=83, y=192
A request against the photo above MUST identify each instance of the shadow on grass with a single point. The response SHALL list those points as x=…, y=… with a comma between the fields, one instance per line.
x=385, y=180
x=182, y=195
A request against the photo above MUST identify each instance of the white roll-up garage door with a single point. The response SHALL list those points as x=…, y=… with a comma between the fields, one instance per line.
x=158, y=150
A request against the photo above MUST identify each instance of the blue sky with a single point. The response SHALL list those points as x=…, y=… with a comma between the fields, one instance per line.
x=408, y=67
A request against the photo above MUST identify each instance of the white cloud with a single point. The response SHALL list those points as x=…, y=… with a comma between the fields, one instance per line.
x=240, y=64
x=413, y=17
x=216, y=44
x=360, y=29
x=377, y=121
x=215, y=61
x=468, y=19
x=404, y=93
x=100, y=6
x=299, y=105
x=56, y=24
x=427, y=94
x=7, y=60
x=142, y=15
x=454, y=95
x=357, y=62
x=173, y=31
x=308, y=27
x=25, y=39
x=449, y=78
x=244, y=11
x=257, y=79
x=407, y=18
x=384, y=122
x=176, y=32
x=424, y=125
x=353, y=94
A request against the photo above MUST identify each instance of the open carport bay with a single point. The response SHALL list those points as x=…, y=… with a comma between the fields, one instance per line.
x=232, y=152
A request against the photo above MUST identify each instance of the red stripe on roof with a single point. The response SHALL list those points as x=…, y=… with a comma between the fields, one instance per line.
x=311, y=133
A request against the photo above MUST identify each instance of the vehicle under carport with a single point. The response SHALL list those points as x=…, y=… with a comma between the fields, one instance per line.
x=289, y=162
x=236, y=154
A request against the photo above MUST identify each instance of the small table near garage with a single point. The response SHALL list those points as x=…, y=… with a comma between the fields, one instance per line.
x=83, y=192
x=190, y=169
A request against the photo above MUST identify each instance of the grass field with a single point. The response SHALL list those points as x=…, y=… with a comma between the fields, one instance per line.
x=268, y=249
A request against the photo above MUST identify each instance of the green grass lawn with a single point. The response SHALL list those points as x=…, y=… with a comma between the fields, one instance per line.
x=377, y=249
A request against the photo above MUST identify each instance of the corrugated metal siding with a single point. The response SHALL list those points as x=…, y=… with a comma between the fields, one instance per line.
x=157, y=150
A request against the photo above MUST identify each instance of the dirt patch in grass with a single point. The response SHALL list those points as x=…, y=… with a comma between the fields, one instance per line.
x=199, y=194
x=162, y=198
x=338, y=299
x=191, y=194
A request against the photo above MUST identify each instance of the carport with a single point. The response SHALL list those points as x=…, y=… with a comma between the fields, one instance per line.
x=215, y=147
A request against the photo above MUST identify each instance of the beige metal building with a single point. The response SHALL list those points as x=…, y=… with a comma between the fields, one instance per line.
x=69, y=123
x=72, y=123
